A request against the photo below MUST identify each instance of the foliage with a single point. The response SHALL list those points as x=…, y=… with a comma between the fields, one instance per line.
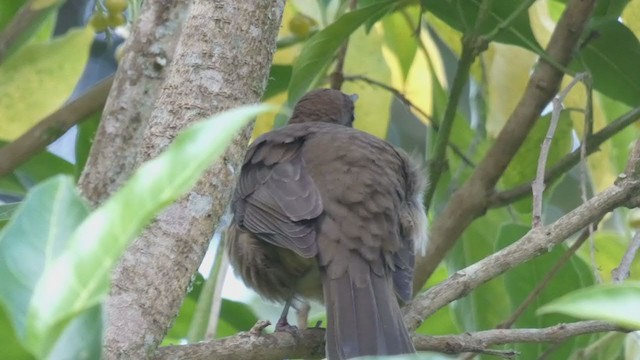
x=56, y=253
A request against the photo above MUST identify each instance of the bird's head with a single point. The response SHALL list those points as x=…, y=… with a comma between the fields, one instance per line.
x=325, y=105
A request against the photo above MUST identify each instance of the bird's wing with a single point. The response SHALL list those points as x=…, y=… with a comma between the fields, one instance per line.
x=276, y=198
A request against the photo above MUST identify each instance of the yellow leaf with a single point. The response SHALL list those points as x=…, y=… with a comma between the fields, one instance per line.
x=541, y=22
x=38, y=79
x=631, y=16
x=372, y=107
x=507, y=76
x=603, y=173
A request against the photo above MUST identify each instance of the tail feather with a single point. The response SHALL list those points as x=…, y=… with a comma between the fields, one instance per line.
x=363, y=317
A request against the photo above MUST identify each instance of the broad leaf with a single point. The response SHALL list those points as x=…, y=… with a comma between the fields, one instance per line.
x=614, y=75
x=616, y=303
x=32, y=240
x=320, y=48
x=79, y=278
x=39, y=78
x=462, y=14
x=521, y=280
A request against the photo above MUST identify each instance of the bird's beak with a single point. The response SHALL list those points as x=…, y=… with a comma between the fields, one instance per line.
x=353, y=97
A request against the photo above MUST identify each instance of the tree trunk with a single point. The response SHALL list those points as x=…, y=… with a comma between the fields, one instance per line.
x=221, y=61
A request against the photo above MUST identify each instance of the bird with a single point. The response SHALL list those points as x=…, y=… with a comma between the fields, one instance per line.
x=324, y=211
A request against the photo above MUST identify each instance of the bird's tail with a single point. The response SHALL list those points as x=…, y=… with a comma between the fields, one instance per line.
x=363, y=317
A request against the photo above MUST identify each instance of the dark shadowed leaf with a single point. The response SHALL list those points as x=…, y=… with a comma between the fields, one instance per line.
x=614, y=75
x=462, y=14
x=523, y=279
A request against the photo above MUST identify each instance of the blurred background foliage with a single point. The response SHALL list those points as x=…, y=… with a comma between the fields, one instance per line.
x=401, y=60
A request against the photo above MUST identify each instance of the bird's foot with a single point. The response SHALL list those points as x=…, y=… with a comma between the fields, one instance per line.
x=283, y=325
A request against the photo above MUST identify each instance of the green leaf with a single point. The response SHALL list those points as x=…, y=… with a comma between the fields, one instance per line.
x=279, y=77
x=82, y=338
x=461, y=15
x=6, y=211
x=37, y=169
x=396, y=33
x=524, y=165
x=38, y=79
x=79, y=278
x=487, y=305
x=84, y=139
x=34, y=237
x=521, y=280
x=320, y=48
x=11, y=347
x=614, y=73
x=616, y=303
x=238, y=315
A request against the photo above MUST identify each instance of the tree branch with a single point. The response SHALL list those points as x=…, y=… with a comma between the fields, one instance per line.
x=621, y=273
x=472, y=199
x=538, y=183
x=584, y=235
x=337, y=76
x=473, y=342
x=26, y=17
x=309, y=343
x=53, y=126
x=221, y=61
x=472, y=45
x=536, y=242
x=141, y=71
x=592, y=144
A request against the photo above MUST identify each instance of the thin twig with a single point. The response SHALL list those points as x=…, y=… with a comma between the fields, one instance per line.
x=592, y=144
x=537, y=186
x=584, y=235
x=622, y=272
x=473, y=342
x=534, y=243
x=400, y=96
x=337, y=77
x=53, y=126
x=472, y=45
x=584, y=169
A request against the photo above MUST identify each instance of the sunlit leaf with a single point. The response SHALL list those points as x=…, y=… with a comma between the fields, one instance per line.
x=39, y=78
x=619, y=304
x=320, y=48
x=79, y=278
x=507, y=75
x=372, y=107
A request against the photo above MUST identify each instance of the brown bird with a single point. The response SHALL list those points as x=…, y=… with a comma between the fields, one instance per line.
x=324, y=211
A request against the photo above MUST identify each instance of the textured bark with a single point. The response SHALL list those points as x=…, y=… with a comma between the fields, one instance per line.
x=221, y=61
x=138, y=80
